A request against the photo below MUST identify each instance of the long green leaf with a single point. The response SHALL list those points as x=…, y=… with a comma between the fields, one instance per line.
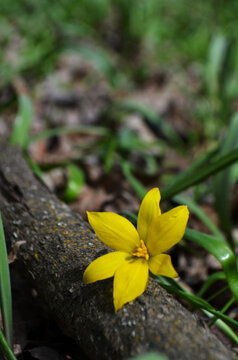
x=175, y=285
x=201, y=304
x=136, y=184
x=222, y=252
x=5, y=287
x=224, y=327
x=5, y=348
x=224, y=181
x=220, y=275
x=197, y=164
x=23, y=120
x=216, y=58
x=198, y=176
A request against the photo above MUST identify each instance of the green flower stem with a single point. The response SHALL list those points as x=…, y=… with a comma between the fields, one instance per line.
x=5, y=348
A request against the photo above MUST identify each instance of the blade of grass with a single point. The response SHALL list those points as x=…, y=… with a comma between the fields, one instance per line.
x=75, y=183
x=217, y=54
x=5, y=348
x=5, y=288
x=224, y=181
x=110, y=151
x=210, y=280
x=224, y=327
x=222, y=252
x=136, y=184
x=223, y=310
x=220, y=323
x=217, y=293
x=23, y=120
x=198, y=176
x=91, y=130
x=37, y=170
x=196, y=164
x=201, y=304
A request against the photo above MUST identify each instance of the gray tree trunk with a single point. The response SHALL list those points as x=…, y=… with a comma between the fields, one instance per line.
x=59, y=245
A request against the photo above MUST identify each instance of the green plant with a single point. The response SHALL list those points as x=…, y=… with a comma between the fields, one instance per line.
x=5, y=299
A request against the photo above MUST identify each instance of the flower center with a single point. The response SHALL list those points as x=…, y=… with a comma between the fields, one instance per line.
x=141, y=251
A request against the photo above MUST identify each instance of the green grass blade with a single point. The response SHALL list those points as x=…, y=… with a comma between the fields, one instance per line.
x=224, y=181
x=5, y=288
x=196, y=164
x=109, y=155
x=223, y=310
x=196, y=177
x=136, y=184
x=176, y=285
x=220, y=275
x=75, y=183
x=23, y=120
x=201, y=304
x=222, y=252
x=5, y=348
x=91, y=130
x=215, y=64
x=224, y=327
x=35, y=168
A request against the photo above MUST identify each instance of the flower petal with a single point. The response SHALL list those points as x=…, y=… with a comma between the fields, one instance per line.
x=161, y=265
x=114, y=230
x=167, y=230
x=130, y=281
x=104, y=267
x=148, y=210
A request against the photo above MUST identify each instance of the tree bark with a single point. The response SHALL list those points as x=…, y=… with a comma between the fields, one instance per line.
x=59, y=245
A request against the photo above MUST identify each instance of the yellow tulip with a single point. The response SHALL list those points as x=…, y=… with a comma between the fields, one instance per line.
x=137, y=251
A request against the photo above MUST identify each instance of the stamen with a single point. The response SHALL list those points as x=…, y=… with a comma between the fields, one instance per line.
x=141, y=251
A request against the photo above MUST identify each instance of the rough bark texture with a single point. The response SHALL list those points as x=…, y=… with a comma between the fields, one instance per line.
x=59, y=245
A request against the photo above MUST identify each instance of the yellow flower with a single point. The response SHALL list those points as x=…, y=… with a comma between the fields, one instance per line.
x=137, y=251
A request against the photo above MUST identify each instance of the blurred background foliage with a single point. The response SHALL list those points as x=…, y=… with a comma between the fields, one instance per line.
x=126, y=39
x=168, y=32
x=133, y=44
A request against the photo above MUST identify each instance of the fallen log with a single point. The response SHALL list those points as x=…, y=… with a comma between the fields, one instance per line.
x=59, y=245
